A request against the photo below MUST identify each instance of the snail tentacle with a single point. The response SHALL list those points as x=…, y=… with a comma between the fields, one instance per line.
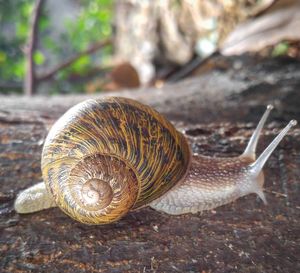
x=252, y=144
x=257, y=166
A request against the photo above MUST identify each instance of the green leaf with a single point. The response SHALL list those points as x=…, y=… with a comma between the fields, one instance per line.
x=2, y=57
x=26, y=9
x=106, y=31
x=280, y=49
x=43, y=23
x=21, y=30
x=81, y=63
x=38, y=57
x=19, y=69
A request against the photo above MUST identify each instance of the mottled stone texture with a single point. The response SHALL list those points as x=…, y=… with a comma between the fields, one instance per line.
x=218, y=112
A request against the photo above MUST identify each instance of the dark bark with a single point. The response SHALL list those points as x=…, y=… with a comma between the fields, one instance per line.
x=218, y=112
x=30, y=78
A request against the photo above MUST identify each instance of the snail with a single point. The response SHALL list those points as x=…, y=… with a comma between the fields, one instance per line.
x=105, y=157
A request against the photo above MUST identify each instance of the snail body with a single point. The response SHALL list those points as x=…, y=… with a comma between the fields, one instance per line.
x=103, y=158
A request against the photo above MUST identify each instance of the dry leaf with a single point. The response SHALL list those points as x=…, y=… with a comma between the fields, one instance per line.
x=280, y=22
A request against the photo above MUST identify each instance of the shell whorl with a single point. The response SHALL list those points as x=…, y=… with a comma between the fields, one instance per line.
x=98, y=189
x=104, y=157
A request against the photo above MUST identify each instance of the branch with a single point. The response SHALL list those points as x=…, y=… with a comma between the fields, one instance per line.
x=11, y=85
x=191, y=66
x=91, y=49
x=30, y=80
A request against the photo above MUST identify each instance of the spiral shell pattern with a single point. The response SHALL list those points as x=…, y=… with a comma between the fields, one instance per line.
x=105, y=157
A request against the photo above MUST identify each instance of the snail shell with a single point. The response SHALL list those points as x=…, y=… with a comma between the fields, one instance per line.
x=105, y=157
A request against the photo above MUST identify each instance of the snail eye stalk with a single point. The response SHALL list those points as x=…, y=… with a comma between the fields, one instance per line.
x=252, y=144
x=257, y=166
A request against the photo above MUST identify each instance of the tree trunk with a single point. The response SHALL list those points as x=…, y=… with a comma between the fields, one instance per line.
x=217, y=112
x=30, y=77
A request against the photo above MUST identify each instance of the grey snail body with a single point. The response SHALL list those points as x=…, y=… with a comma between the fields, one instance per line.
x=103, y=158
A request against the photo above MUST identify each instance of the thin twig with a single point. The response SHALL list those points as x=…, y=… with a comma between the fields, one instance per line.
x=277, y=193
x=190, y=67
x=91, y=49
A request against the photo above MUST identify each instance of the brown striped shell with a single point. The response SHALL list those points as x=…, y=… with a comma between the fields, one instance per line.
x=105, y=157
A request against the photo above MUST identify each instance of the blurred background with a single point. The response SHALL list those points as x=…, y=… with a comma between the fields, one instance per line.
x=79, y=46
